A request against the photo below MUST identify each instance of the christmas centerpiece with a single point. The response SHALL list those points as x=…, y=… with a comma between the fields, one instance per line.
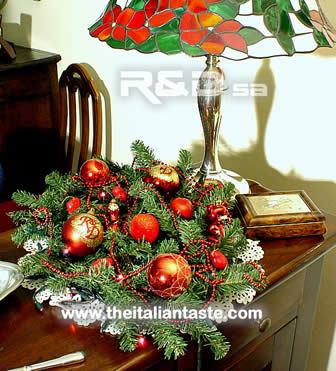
x=144, y=234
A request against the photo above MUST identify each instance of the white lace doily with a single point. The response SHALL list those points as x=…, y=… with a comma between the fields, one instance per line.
x=43, y=295
x=35, y=245
x=253, y=252
x=33, y=284
x=112, y=329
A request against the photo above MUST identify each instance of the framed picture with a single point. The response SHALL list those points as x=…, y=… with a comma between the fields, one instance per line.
x=280, y=214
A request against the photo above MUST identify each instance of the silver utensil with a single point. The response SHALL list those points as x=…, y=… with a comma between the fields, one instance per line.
x=65, y=360
x=10, y=278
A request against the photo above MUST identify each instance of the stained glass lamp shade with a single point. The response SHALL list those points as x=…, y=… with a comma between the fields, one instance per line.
x=234, y=29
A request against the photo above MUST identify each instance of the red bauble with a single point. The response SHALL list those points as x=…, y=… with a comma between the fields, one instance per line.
x=73, y=204
x=216, y=231
x=217, y=212
x=94, y=172
x=164, y=178
x=182, y=206
x=145, y=226
x=82, y=234
x=103, y=195
x=169, y=275
x=218, y=259
x=107, y=262
x=119, y=193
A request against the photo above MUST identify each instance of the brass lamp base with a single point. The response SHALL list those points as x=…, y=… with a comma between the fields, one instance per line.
x=241, y=184
x=211, y=87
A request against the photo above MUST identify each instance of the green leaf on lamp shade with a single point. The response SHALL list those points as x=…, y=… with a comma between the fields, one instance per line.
x=267, y=3
x=148, y=46
x=242, y=1
x=136, y=4
x=194, y=51
x=168, y=43
x=305, y=8
x=320, y=39
x=285, y=5
x=226, y=9
x=272, y=19
x=303, y=18
x=251, y=35
x=286, y=43
x=286, y=24
x=257, y=6
x=172, y=26
x=116, y=44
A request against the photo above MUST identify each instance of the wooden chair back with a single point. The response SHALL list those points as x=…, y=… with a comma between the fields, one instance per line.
x=77, y=80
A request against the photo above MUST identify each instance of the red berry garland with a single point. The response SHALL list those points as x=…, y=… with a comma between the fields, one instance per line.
x=145, y=226
x=182, y=207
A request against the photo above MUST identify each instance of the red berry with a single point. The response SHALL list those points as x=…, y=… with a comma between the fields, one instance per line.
x=218, y=259
x=145, y=226
x=73, y=204
x=119, y=193
x=183, y=207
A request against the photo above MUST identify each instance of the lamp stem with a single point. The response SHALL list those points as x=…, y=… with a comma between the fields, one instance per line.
x=211, y=86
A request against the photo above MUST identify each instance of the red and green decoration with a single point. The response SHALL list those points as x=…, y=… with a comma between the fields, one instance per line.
x=235, y=29
x=143, y=234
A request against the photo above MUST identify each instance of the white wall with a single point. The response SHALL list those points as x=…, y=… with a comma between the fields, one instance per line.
x=285, y=141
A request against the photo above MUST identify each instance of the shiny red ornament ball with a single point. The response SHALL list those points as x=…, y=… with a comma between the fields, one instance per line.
x=169, y=275
x=94, y=172
x=165, y=178
x=73, y=204
x=145, y=226
x=119, y=193
x=107, y=262
x=218, y=259
x=82, y=234
x=103, y=195
x=182, y=207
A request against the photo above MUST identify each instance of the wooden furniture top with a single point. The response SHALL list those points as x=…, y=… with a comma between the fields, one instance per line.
x=26, y=56
x=28, y=336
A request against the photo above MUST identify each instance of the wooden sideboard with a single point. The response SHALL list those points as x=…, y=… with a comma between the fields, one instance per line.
x=280, y=342
x=29, y=110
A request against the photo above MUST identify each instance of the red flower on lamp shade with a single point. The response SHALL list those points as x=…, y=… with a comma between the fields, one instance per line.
x=211, y=32
x=103, y=32
x=323, y=26
x=121, y=24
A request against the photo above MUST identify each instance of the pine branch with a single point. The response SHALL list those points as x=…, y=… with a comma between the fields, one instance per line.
x=143, y=155
x=167, y=337
x=211, y=336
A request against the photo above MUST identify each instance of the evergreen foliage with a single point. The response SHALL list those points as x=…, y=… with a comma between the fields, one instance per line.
x=131, y=254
